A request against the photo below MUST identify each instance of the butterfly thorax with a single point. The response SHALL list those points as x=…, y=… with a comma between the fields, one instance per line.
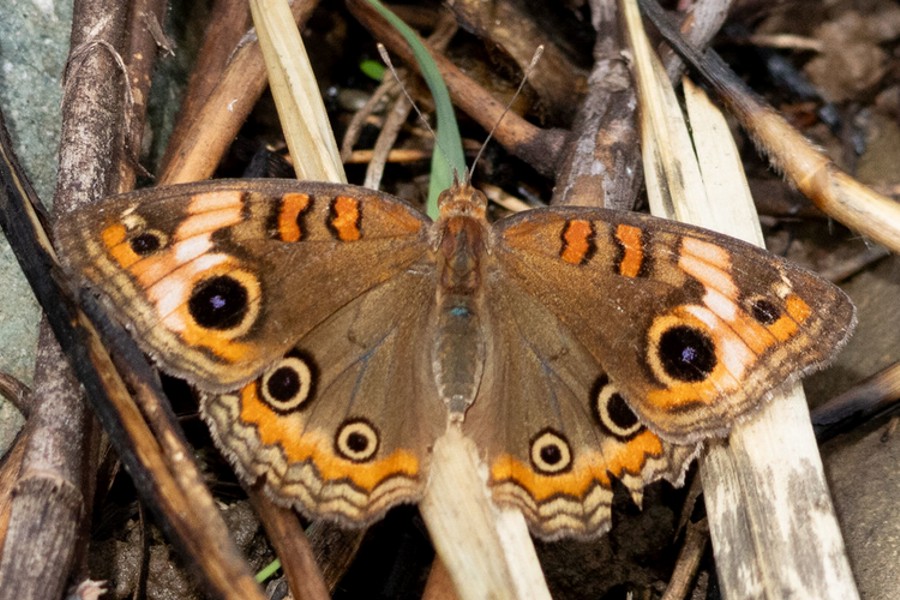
x=458, y=352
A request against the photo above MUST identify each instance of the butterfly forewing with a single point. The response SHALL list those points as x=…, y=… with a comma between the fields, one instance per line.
x=693, y=327
x=219, y=279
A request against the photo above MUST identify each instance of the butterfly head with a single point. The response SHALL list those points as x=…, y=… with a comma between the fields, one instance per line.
x=462, y=200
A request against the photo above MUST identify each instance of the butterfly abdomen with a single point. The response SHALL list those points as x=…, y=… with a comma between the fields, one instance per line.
x=458, y=352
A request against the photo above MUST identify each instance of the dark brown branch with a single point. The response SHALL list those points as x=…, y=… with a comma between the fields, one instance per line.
x=220, y=40
x=540, y=148
x=144, y=41
x=56, y=484
x=558, y=82
x=291, y=546
x=602, y=162
x=212, y=121
x=875, y=396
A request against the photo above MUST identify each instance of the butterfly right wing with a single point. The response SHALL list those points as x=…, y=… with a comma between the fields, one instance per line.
x=694, y=327
x=553, y=428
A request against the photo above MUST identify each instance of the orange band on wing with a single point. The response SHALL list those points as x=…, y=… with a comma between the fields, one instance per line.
x=345, y=219
x=292, y=207
x=114, y=239
x=787, y=325
x=301, y=443
x=577, y=242
x=632, y=250
x=589, y=468
x=226, y=349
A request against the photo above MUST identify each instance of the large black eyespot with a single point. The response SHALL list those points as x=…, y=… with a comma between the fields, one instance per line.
x=686, y=353
x=283, y=384
x=290, y=385
x=611, y=411
x=620, y=414
x=357, y=440
x=764, y=311
x=550, y=453
x=146, y=243
x=220, y=302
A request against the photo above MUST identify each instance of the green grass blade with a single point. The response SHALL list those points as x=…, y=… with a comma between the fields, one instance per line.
x=449, y=141
x=268, y=571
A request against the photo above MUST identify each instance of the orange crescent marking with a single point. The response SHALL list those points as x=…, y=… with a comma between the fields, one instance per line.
x=684, y=394
x=589, y=469
x=301, y=444
x=114, y=239
x=346, y=218
x=576, y=241
x=633, y=250
x=787, y=325
x=292, y=205
x=215, y=342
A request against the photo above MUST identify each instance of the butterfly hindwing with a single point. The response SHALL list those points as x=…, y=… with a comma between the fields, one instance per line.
x=341, y=426
x=554, y=430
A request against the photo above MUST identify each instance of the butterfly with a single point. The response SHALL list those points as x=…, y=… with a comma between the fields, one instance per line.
x=335, y=332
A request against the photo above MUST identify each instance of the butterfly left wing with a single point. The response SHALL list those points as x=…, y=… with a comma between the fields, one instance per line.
x=693, y=327
x=296, y=308
x=217, y=279
x=341, y=426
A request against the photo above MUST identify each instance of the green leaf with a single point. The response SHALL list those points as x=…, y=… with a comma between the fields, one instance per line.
x=372, y=69
x=449, y=142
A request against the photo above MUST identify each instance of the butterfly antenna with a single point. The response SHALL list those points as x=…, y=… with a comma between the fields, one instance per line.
x=528, y=70
x=387, y=60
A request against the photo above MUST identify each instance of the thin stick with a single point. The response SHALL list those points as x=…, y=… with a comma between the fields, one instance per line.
x=528, y=71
